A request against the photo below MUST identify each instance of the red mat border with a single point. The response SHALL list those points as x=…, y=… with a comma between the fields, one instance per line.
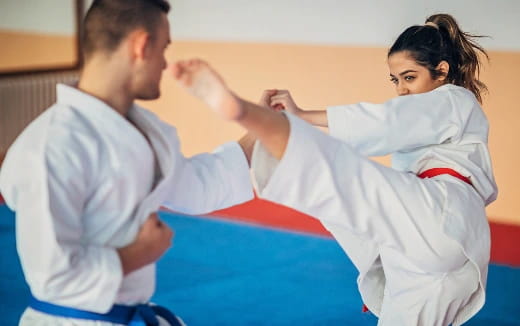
x=505, y=238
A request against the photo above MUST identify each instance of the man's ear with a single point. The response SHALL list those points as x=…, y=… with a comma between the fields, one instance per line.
x=139, y=43
x=443, y=68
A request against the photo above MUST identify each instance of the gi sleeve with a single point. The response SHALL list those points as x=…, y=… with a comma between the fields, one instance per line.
x=49, y=194
x=403, y=123
x=210, y=181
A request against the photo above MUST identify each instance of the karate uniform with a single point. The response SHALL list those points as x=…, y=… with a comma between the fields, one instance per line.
x=421, y=245
x=82, y=179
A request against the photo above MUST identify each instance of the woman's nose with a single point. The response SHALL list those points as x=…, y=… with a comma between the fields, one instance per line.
x=402, y=89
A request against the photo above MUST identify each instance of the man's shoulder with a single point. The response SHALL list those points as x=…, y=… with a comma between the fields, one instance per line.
x=54, y=131
x=148, y=114
x=154, y=119
x=60, y=125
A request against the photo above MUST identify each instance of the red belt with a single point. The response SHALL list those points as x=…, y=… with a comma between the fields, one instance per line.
x=438, y=171
x=430, y=173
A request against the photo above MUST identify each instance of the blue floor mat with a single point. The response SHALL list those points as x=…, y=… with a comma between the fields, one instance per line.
x=227, y=273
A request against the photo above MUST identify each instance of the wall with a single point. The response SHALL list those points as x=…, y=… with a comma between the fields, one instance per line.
x=321, y=75
x=51, y=17
x=337, y=22
x=37, y=34
x=331, y=52
x=52, y=50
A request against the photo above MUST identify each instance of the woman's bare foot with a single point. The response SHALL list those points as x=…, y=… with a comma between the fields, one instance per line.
x=204, y=83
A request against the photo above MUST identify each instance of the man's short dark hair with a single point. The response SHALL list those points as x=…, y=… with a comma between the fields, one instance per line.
x=108, y=22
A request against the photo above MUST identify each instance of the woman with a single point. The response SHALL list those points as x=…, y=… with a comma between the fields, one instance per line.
x=417, y=232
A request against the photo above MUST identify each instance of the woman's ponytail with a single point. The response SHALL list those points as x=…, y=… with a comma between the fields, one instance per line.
x=466, y=53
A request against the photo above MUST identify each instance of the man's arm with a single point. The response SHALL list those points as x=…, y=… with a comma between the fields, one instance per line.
x=210, y=181
x=51, y=194
x=152, y=241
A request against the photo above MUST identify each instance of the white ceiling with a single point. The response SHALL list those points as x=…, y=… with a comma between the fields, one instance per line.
x=329, y=22
x=338, y=22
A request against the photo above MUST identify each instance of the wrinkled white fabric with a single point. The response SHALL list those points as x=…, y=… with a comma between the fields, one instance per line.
x=82, y=179
x=421, y=245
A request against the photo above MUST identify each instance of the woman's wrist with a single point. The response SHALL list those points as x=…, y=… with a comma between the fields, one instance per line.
x=314, y=117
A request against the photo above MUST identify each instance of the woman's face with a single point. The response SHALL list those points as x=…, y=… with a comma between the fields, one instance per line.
x=409, y=77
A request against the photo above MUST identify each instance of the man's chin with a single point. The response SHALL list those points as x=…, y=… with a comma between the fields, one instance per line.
x=148, y=96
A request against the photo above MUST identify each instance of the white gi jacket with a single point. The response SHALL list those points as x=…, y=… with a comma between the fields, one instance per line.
x=81, y=181
x=387, y=219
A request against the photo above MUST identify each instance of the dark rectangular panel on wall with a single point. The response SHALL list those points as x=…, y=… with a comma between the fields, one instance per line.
x=23, y=98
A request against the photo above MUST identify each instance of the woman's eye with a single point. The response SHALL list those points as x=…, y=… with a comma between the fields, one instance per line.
x=393, y=80
x=408, y=78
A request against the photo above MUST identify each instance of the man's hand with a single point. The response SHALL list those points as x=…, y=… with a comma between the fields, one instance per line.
x=152, y=241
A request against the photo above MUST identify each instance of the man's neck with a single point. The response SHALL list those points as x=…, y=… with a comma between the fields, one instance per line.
x=106, y=81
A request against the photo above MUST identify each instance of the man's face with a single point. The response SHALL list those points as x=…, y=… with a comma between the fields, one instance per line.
x=149, y=72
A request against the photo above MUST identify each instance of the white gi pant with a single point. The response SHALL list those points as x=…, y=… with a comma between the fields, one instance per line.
x=391, y=224
x=32, y=317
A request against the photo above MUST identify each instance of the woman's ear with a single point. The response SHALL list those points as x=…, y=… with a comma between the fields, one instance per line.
x=443, y=68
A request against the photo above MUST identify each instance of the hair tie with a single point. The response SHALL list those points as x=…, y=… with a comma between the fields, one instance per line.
x=432, y=24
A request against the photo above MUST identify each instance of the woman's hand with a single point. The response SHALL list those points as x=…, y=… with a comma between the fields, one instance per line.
x=282, y=100
x=279, y=100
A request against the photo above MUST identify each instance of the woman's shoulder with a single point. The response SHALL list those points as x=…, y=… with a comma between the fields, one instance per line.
x=465, y=104
x=459, y=92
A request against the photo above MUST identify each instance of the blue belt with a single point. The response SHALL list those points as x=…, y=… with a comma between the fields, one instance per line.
x=137, y=315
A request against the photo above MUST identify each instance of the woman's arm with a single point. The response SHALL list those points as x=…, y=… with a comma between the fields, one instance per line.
x=403, y=123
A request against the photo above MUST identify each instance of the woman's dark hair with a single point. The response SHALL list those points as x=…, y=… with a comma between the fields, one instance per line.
x=442, y=39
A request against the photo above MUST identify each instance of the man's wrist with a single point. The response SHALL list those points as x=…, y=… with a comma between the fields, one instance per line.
x=129, y=257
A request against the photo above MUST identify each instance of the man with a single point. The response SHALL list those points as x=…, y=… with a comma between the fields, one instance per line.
x=87, y=177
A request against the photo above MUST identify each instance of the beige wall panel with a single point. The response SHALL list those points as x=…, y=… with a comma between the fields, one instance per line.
x=26, y=51
x=327, y=75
